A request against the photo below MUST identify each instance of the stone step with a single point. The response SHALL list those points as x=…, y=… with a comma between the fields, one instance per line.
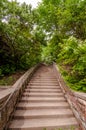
x=43, y=94
x=43, y=84
x=43, y=90
x=49, y=81
x=48, y=123
x=43, y=87
x=44, y=79
x=44, y=113
x=42, y=99
x=46, y=88
x=43, y=105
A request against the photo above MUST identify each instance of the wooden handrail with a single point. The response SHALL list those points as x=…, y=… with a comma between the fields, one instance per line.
x=8, y=107
x=81, y=95
x=76, y=100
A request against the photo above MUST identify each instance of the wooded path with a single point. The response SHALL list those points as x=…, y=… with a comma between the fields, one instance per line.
x=43, y=105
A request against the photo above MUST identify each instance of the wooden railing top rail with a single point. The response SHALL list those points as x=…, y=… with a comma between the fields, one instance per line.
x=18, y=88
x=76, y=100
x=17, y=85
x=4, y=94
x=78, y=94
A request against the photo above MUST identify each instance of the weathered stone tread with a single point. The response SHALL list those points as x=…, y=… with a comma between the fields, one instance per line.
x=37, y=124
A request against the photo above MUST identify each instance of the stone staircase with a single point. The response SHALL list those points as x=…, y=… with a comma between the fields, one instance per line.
x=43, y=105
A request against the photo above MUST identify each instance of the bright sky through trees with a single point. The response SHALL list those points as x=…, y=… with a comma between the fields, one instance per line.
x=34, y=3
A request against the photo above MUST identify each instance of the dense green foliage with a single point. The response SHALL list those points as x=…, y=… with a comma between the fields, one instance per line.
x=65, y=24
x=54, y=31
x=20, y=46
x=72, y=60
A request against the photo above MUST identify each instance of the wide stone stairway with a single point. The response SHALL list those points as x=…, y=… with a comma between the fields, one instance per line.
x=43, y=105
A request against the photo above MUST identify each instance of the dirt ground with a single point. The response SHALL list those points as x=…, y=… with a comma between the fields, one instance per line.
x=9, y=80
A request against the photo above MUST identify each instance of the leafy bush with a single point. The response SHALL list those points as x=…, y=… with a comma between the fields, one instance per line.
x=73, y=61
x=6, y=81
x=20, y=47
